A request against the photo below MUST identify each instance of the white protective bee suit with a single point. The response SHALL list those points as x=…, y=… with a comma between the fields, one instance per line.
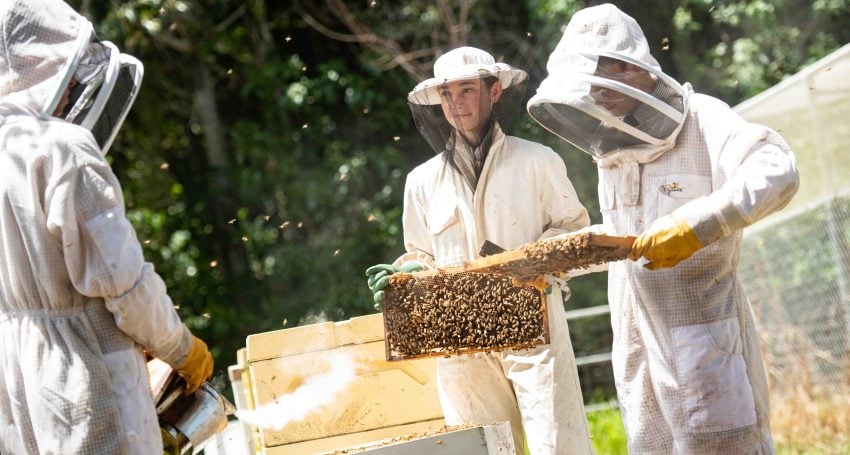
x=77, y=300
x=521, y=194
x=686, y=357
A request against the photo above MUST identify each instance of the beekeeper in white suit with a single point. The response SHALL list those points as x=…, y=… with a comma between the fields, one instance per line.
x=687, y=174
x=486, y=185
x=78, y=303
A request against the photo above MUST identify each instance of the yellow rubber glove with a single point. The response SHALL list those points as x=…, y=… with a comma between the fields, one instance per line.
x=197, y=367
x=667, y=242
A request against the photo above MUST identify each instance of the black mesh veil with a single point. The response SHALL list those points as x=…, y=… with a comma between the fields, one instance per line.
x=603, y=104
x=107, y=84
x=466, y=105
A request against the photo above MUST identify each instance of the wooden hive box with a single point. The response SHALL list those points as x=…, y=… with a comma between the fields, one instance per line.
x=493, y=439
x=383, y=400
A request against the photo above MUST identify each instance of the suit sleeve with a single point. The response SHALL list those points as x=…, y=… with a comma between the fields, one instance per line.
x=762, y=179
x=85, y=212
x=563, y=211
x=417, y=240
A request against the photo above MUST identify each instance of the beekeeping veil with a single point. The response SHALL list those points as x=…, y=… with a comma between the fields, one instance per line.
x=44, y=44
x=467, y=104
x=606, y=94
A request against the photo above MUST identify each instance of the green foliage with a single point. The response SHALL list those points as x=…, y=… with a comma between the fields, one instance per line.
x=264, y=160
x=305, y=193
x=607, y=432
x=736, y=49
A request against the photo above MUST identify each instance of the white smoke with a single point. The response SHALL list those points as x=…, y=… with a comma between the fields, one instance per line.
x=315, y=393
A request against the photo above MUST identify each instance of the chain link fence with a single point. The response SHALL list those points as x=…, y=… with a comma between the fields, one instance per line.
x=795, y=265
x=796, y=277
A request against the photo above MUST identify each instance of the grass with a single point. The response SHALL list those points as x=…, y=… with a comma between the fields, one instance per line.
x=802, y=423
x=607, y=432
x=806, y=423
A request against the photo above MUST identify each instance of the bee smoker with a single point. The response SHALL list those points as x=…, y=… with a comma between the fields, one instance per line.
x=188, y=422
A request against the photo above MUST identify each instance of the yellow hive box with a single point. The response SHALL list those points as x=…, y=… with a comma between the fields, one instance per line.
x=380, y=400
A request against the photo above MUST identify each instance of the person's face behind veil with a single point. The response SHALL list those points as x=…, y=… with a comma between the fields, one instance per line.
x=467, y=105
x=63, y=100
x=619, y=104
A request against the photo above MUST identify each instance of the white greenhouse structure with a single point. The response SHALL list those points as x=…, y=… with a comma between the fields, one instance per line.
x=796, y=264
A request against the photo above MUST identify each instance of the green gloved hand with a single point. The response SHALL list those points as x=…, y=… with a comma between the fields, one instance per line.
x=379, y=277
x=667, y=242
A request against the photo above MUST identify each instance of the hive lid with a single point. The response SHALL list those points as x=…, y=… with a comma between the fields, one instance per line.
x=314, y=337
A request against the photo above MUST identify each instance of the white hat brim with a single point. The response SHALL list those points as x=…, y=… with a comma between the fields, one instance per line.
x=428, y=91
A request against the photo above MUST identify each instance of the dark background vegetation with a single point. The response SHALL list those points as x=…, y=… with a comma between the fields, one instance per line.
x=264, y=161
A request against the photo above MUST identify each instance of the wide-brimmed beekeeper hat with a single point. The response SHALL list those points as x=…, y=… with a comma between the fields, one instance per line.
x=460, y=64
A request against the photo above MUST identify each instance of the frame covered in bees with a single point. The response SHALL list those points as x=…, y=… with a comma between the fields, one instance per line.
x=486, y=304
x=429, y=314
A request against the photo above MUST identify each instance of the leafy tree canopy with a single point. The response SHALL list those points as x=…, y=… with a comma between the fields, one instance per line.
x=264, y=160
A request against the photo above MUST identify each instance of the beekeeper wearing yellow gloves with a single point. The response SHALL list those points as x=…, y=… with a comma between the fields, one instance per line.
x=487, y=185
x=686, y=174
x=78, y=303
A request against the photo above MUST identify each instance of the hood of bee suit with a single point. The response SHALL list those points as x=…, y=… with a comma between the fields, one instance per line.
x=43, y=45
x=606, y=94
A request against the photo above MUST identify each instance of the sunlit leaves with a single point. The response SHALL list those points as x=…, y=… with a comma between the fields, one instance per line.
x=318, y=135
x=752, y=45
